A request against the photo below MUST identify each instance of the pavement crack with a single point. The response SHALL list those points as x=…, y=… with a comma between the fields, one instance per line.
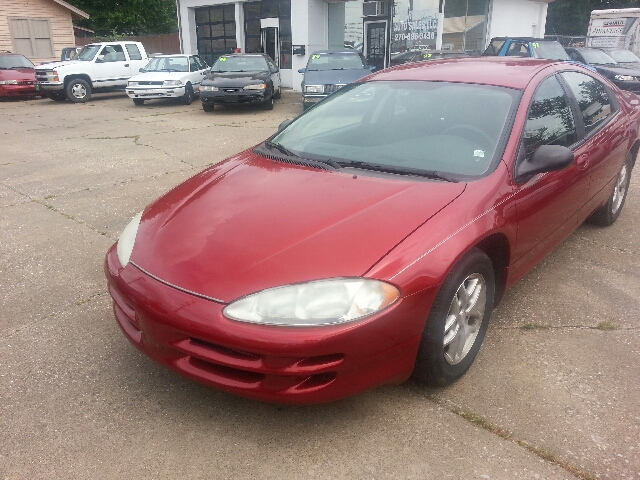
x=542, y=452
x=67, y=216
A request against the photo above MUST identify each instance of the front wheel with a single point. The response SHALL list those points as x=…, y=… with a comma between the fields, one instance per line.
x=188, y=96
x=207, y=107
x=138, y=101
x=457, y=322
x=78, y=90
x=608, y=213
x=278, y=94
x=268, y=104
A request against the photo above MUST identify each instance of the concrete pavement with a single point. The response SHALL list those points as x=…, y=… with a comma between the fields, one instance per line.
x=553, y=394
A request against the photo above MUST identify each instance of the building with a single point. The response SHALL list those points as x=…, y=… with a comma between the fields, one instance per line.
x=38, y=29
x=290, y=30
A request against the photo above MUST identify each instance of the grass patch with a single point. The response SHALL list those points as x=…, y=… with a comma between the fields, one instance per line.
x=607, y=326
x=535, y=326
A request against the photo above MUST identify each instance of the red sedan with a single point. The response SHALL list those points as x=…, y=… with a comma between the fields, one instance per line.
x=370, y=238
x=17, y=76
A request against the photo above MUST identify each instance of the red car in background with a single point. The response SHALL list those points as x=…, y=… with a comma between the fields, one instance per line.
x=370, y=238
x=17, y=76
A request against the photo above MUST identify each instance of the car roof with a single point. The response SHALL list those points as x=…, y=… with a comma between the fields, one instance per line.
x=525, y=39
x=344, y=50
x=165, y=55
x=511, y=72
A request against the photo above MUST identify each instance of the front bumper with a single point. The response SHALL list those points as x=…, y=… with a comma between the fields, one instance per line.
x=190, y=335
x=50, y=86
x=310, y=99
x=18, y=90
x=148, y=93
x=233, y=95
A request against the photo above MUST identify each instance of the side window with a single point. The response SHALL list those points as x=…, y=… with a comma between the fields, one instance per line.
x=113, y=53
x=517, y=49
x=549, y=121
x=201, y=63
x=133, y=51
x=193, y=66
x=593, y=99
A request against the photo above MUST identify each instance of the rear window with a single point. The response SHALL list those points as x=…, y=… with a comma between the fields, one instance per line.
x=133, y=51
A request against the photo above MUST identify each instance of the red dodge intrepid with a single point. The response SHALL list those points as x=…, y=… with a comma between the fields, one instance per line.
x=17, y=76
x=370, y=238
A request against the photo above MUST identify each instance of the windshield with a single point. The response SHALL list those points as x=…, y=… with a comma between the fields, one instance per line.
x=240, y=64
x=9, y=62
x=335, y=61
x=168, y=64
x=624, y=56
x=88, y=52
x=597, y=57
x=550, y=50
x=448, y=128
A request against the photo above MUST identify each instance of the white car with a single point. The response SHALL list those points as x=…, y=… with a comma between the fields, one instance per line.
x=168, y=76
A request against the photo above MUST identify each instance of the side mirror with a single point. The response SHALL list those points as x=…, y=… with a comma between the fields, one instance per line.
x=546, y=158
x=100, y=59
x=302, y=70
x=284, y=124
x=142, y=70
x=372, y=67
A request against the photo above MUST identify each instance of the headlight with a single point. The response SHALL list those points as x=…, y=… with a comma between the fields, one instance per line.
x=624, y=78
x=322, y=302
x=8, y=82
x=172, y=83
x=209, y=88
x=260, y=86
x=314, y=88
x=127, y=240
x=133, y=84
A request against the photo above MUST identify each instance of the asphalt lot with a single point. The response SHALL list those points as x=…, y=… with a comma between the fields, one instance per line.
x=553, y=394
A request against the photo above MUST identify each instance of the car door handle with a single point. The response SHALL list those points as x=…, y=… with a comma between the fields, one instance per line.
x=126, y=64
x=583, y=161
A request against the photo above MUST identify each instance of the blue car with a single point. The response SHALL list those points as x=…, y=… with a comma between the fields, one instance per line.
x=525, y=47
x=329, y=70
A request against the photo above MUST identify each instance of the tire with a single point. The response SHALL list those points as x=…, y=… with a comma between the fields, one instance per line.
x=57, y=96
x=138, y=101
x=457, y=322
x=207, y=107
x=188, y=96
x=268, y=104
x=278, y=94
x=608, y=213
x=78, y=90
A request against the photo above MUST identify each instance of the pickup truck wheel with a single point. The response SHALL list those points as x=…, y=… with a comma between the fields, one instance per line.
x=188, y=96
x=207, y=107
x=138, y=101
x=78, y=90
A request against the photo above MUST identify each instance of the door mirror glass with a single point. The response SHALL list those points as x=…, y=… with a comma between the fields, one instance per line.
x=284, y=124
x=302, y=70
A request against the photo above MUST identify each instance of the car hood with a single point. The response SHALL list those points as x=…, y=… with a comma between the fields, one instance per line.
x=616, y=70
x=54, y=65
x=251, y=223
x=22, y=74
x=158, y=76
x=231, y=79
x=334, y=77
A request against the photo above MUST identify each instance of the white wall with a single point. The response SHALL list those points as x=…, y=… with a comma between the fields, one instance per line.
x=516, y=18
x=309, y=27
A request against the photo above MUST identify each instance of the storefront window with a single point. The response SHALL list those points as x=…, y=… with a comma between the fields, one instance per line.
x=415, y=25
x=253, y=12
x=215, y=31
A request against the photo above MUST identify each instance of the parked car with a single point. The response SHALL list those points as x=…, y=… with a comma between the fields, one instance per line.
x=624, y=58
x=371, y=237
x=168, y=76
x=328, y=71
x=424, y=55
x=103, y=66
x=525, y=47
x=626, y=78
x=248, y=78
x=17, y=76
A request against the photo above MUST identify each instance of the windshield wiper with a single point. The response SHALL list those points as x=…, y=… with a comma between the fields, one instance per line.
x=285, y=151
x=18, y=67
x=398, y=171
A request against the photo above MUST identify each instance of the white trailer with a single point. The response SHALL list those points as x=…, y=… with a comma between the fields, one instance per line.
x=615, y=28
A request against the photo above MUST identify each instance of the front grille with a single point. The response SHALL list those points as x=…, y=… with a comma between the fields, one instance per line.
x=26, y=83
x=149, y=83
x=332, y=88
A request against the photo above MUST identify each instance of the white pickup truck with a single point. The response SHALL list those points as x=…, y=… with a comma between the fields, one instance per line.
x=105, y=65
